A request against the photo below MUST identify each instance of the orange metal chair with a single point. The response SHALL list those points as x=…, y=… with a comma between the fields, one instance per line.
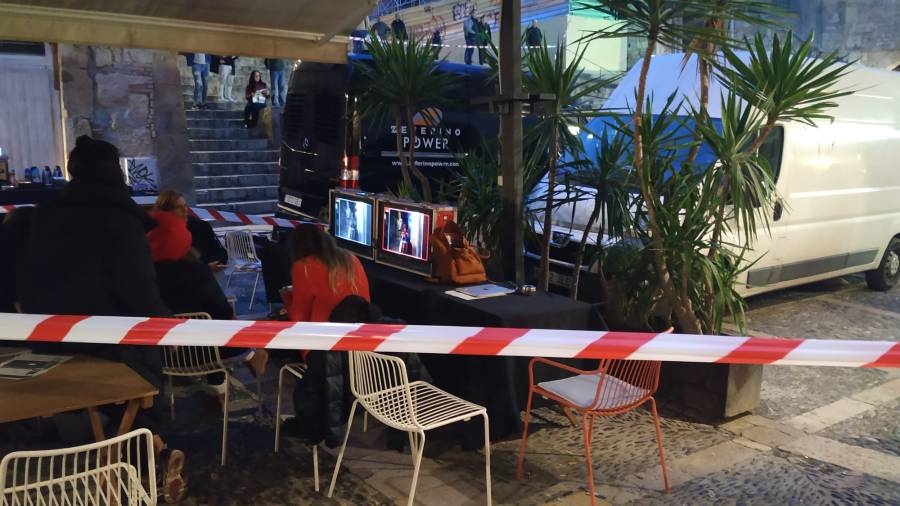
x=615, y=387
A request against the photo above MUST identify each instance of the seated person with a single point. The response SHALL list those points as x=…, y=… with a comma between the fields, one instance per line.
x=212, y=253
x=188, y=286
x=322, y=275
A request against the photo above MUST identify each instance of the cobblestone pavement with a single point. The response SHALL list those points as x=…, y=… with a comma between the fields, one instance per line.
x=820, y=436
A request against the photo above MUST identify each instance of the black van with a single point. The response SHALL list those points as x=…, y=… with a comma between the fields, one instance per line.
x=323, y=135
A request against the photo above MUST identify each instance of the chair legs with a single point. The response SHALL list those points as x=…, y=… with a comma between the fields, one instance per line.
x=521, y=461
x=278, y=411
x=225, y=418
x=587, y=423
x=316, y=465
x=253, y=294
x=337, y=465
x=662, y=457
x=417, y=464
x=487, y=458
x=171, y=398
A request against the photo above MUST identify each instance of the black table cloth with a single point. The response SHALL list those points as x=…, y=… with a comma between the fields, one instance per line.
x=498, y=383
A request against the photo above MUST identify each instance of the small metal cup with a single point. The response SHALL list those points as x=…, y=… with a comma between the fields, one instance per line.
x=527, y=290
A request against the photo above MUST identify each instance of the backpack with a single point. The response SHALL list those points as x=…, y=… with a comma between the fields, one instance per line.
x=455, y=261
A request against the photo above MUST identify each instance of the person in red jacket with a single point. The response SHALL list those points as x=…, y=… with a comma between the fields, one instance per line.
x=322, y=275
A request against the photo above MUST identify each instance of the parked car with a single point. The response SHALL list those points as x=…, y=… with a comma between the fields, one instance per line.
x=838, y=183
x=325, y=141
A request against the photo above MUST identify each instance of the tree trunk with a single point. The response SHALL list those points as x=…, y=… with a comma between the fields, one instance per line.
x=686, y=319
x=423, y=180
x=579, y=257
x=404, y=170
x=544, y=275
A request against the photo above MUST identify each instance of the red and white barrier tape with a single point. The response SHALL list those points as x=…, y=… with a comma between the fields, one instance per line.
x=207, y=214
x=449, y=340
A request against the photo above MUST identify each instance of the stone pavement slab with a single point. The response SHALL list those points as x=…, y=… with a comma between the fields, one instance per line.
x=862, y=460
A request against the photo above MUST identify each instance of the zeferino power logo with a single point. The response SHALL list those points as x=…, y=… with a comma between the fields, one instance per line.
x=430, y=134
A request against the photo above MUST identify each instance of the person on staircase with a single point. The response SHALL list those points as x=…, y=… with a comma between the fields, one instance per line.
x=276, y=77
x=256, y=94
x=199, y=64
x=225, y=68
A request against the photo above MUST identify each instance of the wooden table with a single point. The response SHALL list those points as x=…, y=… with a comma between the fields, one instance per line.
x=80, y=383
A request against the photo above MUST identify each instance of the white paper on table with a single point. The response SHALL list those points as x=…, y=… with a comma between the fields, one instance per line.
x=29, y=365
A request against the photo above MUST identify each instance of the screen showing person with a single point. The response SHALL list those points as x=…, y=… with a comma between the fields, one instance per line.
x=353, y=221
x=406, y=233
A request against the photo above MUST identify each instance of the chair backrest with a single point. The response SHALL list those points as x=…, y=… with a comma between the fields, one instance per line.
x=239, y=244
x=381, y=384
x=626, y=382
x=120, y=470
x=191, y=360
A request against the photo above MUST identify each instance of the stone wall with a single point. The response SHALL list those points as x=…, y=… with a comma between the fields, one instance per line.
x=132, y=99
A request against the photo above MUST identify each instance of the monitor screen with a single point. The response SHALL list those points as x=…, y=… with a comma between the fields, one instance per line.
x=352, y=220
x=405, y=232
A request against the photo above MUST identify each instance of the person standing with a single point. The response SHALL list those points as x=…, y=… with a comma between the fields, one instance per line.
x=226, y=78
x=199, y=63
x=276, y=78
x=256, y=94
x=436, y=41
x=381, y=28
x=533, y=35
x=398, y=27
x=470, y=33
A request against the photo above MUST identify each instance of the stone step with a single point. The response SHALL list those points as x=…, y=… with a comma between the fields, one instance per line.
x=266, y=206
x=237, y=194
x=234, y=168
x=213, y=114
x=214, y=104
x=231, y=181
x=269, y=155
x=228, y=144
x=223, y=133
x=226, y=122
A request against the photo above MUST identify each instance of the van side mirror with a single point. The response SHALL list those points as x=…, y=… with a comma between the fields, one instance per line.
x=776, y=212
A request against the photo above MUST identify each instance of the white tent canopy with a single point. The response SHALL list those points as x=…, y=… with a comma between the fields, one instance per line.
x=307, y=29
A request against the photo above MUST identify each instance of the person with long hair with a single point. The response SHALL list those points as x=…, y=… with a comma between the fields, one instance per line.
x=256, y=93
x=322, y=275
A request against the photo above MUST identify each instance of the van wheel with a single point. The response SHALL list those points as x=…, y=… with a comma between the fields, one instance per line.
x=888, y=272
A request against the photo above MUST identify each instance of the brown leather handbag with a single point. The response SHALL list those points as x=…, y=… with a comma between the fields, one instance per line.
x=455, y=261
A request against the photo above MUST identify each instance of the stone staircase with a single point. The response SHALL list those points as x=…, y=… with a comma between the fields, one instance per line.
x=234, y=170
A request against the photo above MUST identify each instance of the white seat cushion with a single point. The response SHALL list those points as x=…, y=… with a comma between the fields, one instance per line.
x=580, y=390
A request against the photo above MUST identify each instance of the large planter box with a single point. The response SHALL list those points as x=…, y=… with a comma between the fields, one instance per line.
x=710, y=391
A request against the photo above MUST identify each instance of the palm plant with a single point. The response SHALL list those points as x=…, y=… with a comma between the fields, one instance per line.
x=402, y=81
x=605, y=180
x=555, y=131
x=692, y=263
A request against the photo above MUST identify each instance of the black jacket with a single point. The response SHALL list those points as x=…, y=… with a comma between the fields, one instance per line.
x=274, y=64
x=322, y=398
x=188, y=286
x=87, y=254
x=204, y=240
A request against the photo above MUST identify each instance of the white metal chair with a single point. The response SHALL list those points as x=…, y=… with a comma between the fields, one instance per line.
x=194, y=361
x=297, y=370
x=120, y=470
x=380, y=384
x=242, y=257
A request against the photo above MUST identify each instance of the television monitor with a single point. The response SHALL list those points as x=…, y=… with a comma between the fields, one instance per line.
x=405, y=233
x=352, y=220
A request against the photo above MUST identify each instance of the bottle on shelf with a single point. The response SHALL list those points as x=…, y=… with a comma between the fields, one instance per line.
x=12, y=178
x=26, y=174
x=47, y=176
x=57, y=172
x=35, y=175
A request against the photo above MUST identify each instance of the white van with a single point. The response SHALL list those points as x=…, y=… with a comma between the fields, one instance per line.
x=838, y=182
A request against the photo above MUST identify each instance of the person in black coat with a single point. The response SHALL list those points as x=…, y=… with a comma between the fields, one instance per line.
x=86, y=253
x=12, y=233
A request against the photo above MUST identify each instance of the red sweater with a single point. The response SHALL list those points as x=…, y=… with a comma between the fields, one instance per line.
x=313, y=299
